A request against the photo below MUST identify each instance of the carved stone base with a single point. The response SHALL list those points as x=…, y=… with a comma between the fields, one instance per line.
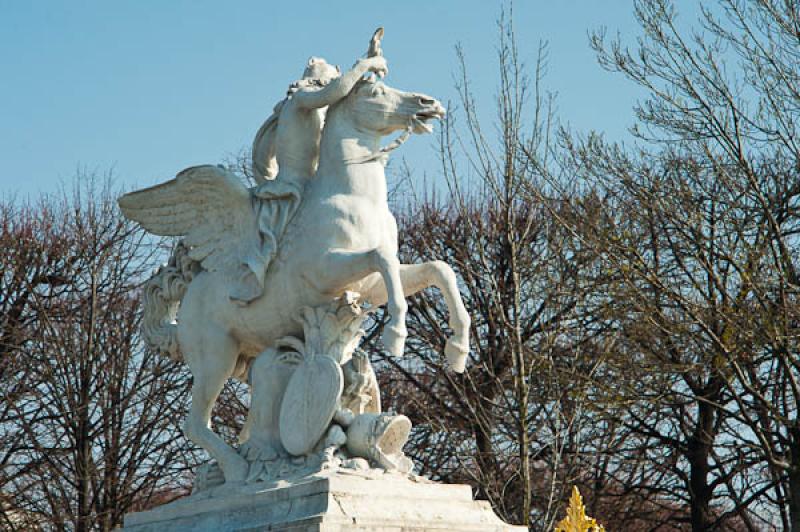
x=327, y=503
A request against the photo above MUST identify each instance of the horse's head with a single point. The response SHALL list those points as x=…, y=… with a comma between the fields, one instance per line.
x=380, y=109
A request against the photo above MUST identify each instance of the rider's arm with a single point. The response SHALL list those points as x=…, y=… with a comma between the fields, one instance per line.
x=341, y=86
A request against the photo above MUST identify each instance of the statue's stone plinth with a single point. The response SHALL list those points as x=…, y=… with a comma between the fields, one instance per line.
x=327, y=503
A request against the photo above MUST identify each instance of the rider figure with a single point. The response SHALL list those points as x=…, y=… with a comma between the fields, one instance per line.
x=288, y=142
x=286, y=153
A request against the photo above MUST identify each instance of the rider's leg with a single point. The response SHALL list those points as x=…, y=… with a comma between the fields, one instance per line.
x=341, y=268
x=417, y=277
x=212, y=359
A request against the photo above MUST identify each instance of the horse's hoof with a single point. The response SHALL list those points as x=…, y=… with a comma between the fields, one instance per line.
x=456, y=354
x=394, y=339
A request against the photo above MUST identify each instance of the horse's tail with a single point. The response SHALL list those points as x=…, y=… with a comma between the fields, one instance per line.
x=163, y=293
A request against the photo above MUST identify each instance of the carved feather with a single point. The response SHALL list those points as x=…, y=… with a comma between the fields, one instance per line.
x=207, y=205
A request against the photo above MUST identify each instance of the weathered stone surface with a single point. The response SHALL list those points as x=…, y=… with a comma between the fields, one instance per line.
x=327, y=503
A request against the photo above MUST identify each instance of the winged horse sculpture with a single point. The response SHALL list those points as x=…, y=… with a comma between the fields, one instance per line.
x=342, y=238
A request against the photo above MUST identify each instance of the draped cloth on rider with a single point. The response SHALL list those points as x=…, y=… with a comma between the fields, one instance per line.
x=274, y=202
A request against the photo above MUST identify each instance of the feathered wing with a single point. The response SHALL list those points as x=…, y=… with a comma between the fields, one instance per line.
x=211, y=208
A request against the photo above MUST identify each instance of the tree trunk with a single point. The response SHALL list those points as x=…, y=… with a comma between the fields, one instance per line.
x=83, y=464
x=487, y=463
x=520, y=373
x=794, y=477
x=699, y=448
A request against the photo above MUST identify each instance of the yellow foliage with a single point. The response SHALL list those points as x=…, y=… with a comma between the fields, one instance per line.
x=576, y=519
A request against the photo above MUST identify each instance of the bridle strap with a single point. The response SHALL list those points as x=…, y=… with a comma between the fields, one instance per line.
x=383, y=152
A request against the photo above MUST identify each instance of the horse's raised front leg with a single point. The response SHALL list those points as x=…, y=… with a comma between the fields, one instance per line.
x=341, y=268
x=417, y=277
x=211, y=358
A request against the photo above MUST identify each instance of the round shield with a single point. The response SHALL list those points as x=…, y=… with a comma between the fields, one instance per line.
x=309, y=403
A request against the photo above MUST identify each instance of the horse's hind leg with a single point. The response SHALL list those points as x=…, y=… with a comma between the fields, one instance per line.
x=417, y=277
x=212, y=359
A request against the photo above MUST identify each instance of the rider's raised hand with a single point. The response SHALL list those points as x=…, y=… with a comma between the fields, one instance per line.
x=377, y=65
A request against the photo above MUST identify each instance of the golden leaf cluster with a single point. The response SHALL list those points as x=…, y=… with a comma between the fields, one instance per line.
x=576, y=519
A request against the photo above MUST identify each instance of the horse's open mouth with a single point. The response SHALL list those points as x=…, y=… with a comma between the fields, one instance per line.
x=420, y=121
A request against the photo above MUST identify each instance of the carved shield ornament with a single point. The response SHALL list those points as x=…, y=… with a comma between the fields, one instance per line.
x=309, y=403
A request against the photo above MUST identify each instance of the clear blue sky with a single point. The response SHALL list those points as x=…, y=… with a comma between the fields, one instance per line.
x=150, y=87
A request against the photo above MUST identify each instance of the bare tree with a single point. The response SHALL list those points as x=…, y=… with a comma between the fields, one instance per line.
x=700, y=226
x=37, y=265
x=663, y=229
x=93, y=431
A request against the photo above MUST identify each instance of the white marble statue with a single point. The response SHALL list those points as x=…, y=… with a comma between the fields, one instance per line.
x=311, y=391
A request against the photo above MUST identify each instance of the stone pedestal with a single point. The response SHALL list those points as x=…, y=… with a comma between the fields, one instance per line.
x=327, y=503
